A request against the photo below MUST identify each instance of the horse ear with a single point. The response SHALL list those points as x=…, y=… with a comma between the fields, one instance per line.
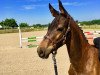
x=53, y=11
x=61, y=8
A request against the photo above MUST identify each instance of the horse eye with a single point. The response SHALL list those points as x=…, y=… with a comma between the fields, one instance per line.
x=60, y=29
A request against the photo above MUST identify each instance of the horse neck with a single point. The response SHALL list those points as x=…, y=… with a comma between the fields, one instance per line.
x=76, y=43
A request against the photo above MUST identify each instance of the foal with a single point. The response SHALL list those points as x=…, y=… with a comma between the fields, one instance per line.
x=64, y=30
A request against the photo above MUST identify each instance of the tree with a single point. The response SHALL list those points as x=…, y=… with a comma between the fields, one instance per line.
x=92, y=22
x=10, y=23
x=23, y=25
x=37, y=26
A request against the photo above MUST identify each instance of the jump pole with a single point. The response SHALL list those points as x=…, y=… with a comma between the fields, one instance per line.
x=20, y=37
x=29, y=39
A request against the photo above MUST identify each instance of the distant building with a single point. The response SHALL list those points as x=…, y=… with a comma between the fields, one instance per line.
x=0, y=26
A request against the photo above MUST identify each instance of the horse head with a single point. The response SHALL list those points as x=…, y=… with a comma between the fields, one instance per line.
x=56, y=34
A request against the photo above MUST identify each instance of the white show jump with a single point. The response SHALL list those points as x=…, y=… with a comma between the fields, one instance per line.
x=28, y=39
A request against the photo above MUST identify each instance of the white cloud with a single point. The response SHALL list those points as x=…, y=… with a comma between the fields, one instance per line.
x=29, y=7
x=33, y=0
x=71, y=4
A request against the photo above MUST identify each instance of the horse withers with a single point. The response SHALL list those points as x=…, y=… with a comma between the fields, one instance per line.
x=64, y=30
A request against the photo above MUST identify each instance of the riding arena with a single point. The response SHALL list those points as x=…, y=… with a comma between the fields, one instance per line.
x=21, y=53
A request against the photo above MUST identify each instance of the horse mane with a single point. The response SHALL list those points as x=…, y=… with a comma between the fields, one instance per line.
x=79, y=29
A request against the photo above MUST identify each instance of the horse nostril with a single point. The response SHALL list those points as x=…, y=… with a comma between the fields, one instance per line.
x=40, y=52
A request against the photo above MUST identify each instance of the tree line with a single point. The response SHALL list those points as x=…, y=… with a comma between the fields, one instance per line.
x=12, y=23
x=92, y=22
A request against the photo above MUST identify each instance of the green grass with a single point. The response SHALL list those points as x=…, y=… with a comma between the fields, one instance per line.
x=91, y=27
x=85, y=27
x=8, y=31
x=3, y=31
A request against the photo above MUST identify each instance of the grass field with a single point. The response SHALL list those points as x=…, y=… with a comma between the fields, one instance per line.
x=29, y=29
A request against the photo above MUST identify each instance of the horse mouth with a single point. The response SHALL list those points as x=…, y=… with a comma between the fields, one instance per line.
x=44, y=56
x=44, y=53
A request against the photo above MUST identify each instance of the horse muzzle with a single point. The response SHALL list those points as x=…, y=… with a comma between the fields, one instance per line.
x=44, y=52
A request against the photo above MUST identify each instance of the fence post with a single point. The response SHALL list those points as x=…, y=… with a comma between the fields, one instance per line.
x=20, y=37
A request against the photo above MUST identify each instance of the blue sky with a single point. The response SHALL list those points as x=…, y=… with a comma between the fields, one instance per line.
x=37, y=11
